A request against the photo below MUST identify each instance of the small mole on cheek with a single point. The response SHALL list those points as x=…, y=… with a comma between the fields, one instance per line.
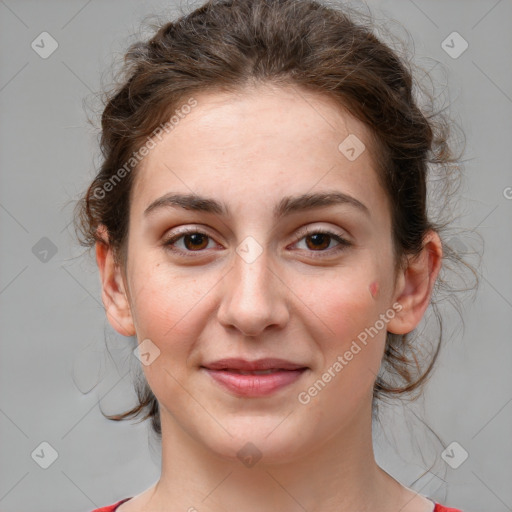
x=374, y=288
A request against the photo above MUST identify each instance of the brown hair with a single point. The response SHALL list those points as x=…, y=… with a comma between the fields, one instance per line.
x=228, y=44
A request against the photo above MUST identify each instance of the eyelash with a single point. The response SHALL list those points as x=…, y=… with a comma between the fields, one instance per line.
x=343, y=244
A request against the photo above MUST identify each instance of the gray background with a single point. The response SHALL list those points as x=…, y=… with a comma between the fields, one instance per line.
x=54, y=367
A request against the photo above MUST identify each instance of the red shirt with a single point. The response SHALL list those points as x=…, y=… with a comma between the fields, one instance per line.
x=112, y=508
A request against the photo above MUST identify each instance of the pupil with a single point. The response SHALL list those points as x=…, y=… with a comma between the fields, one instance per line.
x=195, y=238
x=322, y=237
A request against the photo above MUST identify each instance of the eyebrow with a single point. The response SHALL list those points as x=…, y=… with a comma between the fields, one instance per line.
x=287, y=205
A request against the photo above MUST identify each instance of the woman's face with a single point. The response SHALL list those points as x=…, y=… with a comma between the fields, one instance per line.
x=258, y=279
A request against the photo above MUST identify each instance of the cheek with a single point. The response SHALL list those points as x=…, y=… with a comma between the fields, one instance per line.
x=350, y=315
x=169, y=312
x=346, y=304
x=166, y=305
x=374, y=289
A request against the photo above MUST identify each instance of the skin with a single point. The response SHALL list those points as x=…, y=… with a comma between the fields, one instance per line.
x=374, y=288
x=250, y=150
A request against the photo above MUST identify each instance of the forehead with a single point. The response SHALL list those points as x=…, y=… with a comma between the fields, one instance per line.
x=264, y=136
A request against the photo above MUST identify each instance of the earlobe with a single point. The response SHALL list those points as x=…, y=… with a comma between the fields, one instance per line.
x=113, y=294
x=416, y=285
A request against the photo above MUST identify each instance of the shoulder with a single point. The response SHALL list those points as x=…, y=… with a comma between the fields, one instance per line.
x=111, y=508
x=440, y=508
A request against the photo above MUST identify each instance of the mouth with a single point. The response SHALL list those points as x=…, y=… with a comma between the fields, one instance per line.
x=254, y=379
x=259, y=365
x=255, y=372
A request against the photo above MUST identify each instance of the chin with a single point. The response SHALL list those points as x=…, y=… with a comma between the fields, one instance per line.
x=260, y=441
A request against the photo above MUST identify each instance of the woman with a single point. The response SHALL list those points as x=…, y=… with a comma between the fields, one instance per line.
x=260, y=224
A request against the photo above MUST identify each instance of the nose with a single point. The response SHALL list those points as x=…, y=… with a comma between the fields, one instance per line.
x=253, y=297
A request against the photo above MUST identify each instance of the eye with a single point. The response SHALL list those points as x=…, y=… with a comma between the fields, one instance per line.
x=193, y=241
x=318, y=240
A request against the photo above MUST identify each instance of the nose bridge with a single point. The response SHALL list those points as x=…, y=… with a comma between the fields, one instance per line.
x=253, y=296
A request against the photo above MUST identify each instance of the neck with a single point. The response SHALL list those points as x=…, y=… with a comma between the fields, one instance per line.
x=337, y=474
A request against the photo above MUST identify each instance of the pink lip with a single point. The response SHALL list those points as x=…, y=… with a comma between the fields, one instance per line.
x=254, y=385
x=259, y=364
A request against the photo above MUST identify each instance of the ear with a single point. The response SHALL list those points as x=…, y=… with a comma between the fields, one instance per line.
x=415, y=285
x=114, y=296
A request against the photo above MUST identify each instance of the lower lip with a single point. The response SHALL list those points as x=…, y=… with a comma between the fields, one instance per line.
x=255, y=385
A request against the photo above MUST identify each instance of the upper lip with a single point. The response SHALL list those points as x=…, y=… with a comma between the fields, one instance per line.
x=259, y=364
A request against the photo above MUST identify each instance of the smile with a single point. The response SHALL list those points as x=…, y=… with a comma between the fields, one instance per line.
x=254, y=383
